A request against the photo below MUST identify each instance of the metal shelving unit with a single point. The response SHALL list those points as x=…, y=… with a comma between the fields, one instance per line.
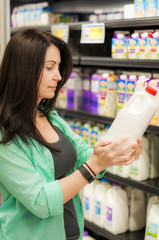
x=126, y=63
x=138, y=235
x=149, y=186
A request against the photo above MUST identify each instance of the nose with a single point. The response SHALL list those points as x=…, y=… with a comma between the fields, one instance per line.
x=57, y=75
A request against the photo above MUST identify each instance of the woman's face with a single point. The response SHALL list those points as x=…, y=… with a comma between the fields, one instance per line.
x=50, y=74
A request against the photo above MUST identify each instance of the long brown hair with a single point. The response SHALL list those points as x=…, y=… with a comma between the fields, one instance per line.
x=20, y=71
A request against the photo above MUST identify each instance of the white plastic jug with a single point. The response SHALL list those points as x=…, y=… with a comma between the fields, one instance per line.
x=135, y=116
x=139, y=169
x=88, y=203
x=137, y=206
x=99, y=198
x=116, y=210
x=133, y=119
x=152, y=226
x=154, y=153
x=151, y=201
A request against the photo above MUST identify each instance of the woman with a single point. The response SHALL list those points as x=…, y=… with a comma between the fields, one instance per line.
x=43, y=164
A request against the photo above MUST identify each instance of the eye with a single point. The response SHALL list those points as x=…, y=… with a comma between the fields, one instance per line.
x=50, y=67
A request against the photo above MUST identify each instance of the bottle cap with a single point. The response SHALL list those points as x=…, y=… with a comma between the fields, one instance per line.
x=151, y=90
x=85, y=233
x=116, y=185
x=104, y=180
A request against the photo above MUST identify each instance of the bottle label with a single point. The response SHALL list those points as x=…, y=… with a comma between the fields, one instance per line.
x=134, y=168
x=98, y=208
x=152, y=231
x=86, y=203
x=109, y=214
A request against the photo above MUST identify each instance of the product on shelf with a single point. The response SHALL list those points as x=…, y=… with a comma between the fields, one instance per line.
x=154, y=153
x=137, y=209
x=150, y=8
x=152, y=226
x=86, y=86
x=116, y=210
x=99, y=198
x=111, y=100
x=153, y=46
x=154, y=82
x=139, y=8
x=74, y=91
x=119, y=45
x=133, y=45
x=121, y=90
x=152, y=200
x=88, y=204
x=139, y=169
x=143, y=45
x=95, y=78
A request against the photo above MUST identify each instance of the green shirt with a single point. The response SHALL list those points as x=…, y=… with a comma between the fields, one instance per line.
x=32, y=200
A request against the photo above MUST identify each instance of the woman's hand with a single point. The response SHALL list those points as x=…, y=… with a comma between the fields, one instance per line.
x=110, y=153
x=138, y=149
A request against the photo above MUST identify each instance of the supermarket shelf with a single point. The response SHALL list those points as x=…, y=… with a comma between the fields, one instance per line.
x=72, y=26
x=126, y=63
x=40, y=27
x=137, y=235
x=149, y=186
x=133, y=23
x=109, y=24
x=86, y=116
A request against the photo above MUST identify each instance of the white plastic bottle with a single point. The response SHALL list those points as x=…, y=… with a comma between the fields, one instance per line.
x=139, y=169
x=151, y=201
x=135, y=116
x=152, y=226
x=116, y=210
x=99, y=197
x=154, y=153
x=133, y=119
x=137, y=210
x=88, y=201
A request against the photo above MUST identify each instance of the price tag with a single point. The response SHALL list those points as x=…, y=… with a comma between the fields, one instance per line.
x=60, y=31
x=93, y=33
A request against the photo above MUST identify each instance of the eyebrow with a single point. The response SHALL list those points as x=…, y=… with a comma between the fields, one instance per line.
x=52, y=61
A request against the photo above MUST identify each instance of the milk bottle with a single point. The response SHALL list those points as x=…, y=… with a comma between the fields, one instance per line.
x=137, y=210
x=139, y=169
x=154, y=153
x=152, y=200
x=135, y=116
x=116, y=210
x=99, y=197
x=88, y=193
x=152, y=226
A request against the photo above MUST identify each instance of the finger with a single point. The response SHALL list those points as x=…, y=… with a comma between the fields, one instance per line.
x=116, y=144
x=102, y=143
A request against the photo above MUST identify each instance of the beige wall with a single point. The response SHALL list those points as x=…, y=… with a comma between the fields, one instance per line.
x=4, y=24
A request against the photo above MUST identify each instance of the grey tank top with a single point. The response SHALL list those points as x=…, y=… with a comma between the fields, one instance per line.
x=64, y=161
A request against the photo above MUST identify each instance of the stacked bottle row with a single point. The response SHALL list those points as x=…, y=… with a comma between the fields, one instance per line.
x=119, y=209
x=146, y=167
x=38, y=14
x=104, y=92
x=146, y=8
x=138, y=45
